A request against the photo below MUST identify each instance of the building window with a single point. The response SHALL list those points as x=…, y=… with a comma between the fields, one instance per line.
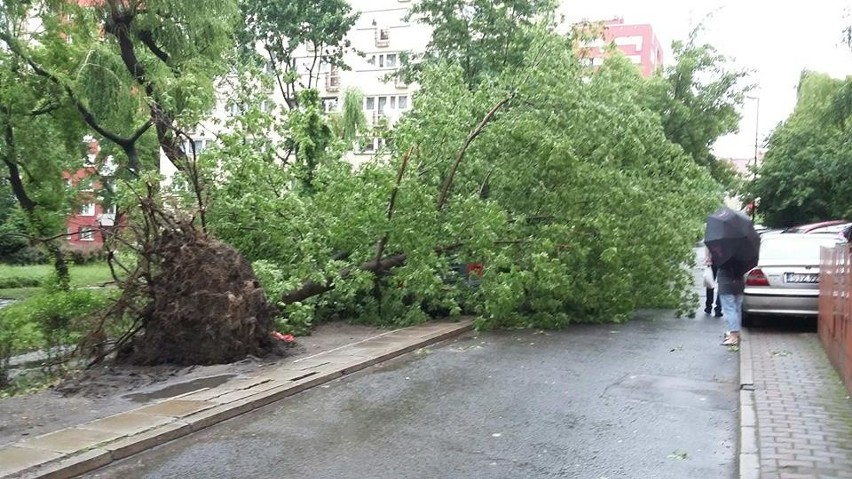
x=383, y=101
x=370, y=103
x=87, y=185
x=332, y=80
x=87, y=209
x=87, y=234
x=382, y=37
x=383, y=60
x=329, y=104
x=403, y=102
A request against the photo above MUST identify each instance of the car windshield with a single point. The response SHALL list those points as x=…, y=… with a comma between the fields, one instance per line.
x=793, y=250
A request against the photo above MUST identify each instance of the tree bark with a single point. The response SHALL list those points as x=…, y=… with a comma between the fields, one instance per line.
x=313, y=288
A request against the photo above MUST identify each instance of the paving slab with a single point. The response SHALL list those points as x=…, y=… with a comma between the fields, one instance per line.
x=71, y=440
x=14, y=459
x=128, y=423
x=176, y=408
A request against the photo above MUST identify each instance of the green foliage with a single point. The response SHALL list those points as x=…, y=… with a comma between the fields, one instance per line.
x=19, y=282
x=91, y=274
x=279, y=28
x=570, y=195
x=804, y=175
x=698, y=99
x=351, y=122
x=46, y=320
x=484, y=37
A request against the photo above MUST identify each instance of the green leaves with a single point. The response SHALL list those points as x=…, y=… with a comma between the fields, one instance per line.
x=804, y=175
x=698, y=100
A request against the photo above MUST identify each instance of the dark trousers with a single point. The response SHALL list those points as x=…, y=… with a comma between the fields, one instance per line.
x=708, y=304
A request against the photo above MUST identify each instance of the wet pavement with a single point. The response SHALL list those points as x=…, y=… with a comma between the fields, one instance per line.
x=654, y=398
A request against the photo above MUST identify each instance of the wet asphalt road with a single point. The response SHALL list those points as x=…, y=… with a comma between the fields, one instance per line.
x=655, y=398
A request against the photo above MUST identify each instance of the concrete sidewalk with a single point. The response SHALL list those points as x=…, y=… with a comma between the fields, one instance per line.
x=77, y=450
x=795, y=415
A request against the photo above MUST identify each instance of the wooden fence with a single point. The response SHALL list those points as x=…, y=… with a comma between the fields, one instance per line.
x=835, y=308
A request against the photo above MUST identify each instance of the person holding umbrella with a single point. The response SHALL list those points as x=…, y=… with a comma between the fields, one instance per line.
x=734, y=244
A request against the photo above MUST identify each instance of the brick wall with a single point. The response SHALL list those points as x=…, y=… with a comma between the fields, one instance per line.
x=835, y=309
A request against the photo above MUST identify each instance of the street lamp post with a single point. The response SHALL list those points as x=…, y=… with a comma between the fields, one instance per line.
x=756, y=147
x=756, y=137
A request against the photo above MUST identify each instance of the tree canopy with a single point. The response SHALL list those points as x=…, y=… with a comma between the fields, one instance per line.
x=804, y=175
x=698, y=98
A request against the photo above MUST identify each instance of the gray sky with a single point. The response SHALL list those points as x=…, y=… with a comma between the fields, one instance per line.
x=775, y=39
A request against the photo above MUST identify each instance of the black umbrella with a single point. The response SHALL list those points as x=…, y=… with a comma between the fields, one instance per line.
x=732, y=240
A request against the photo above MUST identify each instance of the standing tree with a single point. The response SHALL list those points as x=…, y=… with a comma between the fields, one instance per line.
x=484, y=37
x=698, y=99
x=274, y=30
x=130, y=67
x=804, y=175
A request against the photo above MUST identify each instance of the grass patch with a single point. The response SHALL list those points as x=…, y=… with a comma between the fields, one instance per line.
x=18, y=293
x=95, y=274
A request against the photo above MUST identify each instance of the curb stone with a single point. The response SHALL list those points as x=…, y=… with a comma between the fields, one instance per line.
x=176, y=417
x=749, y=457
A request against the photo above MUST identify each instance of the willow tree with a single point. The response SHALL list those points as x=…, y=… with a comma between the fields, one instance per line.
x=135, y=70
x=40, y=139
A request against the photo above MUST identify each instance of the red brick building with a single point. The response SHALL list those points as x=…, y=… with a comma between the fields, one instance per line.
x=637, y=42
x=85, y=226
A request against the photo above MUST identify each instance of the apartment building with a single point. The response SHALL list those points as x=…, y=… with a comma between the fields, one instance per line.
x=91, y=218
x=637, y=42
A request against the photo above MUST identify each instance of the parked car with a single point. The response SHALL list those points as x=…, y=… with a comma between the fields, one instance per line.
x=786, y=279
x=841, y=231
x=812, y=226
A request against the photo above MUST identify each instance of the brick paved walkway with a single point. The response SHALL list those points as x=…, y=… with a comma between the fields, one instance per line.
x=804, y=417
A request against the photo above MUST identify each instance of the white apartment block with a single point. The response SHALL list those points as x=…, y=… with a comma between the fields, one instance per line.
x=378, y=39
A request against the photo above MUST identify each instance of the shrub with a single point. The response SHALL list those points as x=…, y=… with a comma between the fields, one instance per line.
x=46, y=320
x=19, y=282
x=82, y=257
x=28, y=255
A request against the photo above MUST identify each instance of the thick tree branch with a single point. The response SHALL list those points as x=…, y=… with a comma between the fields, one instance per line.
x=380, y=247
x=27, y=203
x=147, y=39
x=126, y=144
x=448, y=182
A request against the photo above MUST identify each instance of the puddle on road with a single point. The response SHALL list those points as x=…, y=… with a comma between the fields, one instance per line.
x=180, y=388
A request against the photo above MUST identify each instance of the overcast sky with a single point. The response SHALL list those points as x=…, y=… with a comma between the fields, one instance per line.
x=775, y=39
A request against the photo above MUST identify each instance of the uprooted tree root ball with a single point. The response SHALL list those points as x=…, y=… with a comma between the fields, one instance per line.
x=205, y=304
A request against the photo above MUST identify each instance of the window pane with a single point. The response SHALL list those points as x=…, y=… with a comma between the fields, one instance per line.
x=391, y=60
x=403, y=102
x=393, y=102
x=383, y=101
x=370, y=103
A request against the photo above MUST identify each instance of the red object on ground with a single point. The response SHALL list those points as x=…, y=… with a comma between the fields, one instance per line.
x=288, y=338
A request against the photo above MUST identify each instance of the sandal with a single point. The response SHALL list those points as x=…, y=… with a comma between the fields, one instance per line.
x=731, y=340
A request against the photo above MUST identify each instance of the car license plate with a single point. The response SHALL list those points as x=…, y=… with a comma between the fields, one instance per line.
x=801, y=278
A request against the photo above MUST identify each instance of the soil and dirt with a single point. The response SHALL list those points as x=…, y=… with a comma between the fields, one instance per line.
x=204, y=304
x=111, y=389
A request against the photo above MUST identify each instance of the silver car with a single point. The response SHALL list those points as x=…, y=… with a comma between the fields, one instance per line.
x=786, y=279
